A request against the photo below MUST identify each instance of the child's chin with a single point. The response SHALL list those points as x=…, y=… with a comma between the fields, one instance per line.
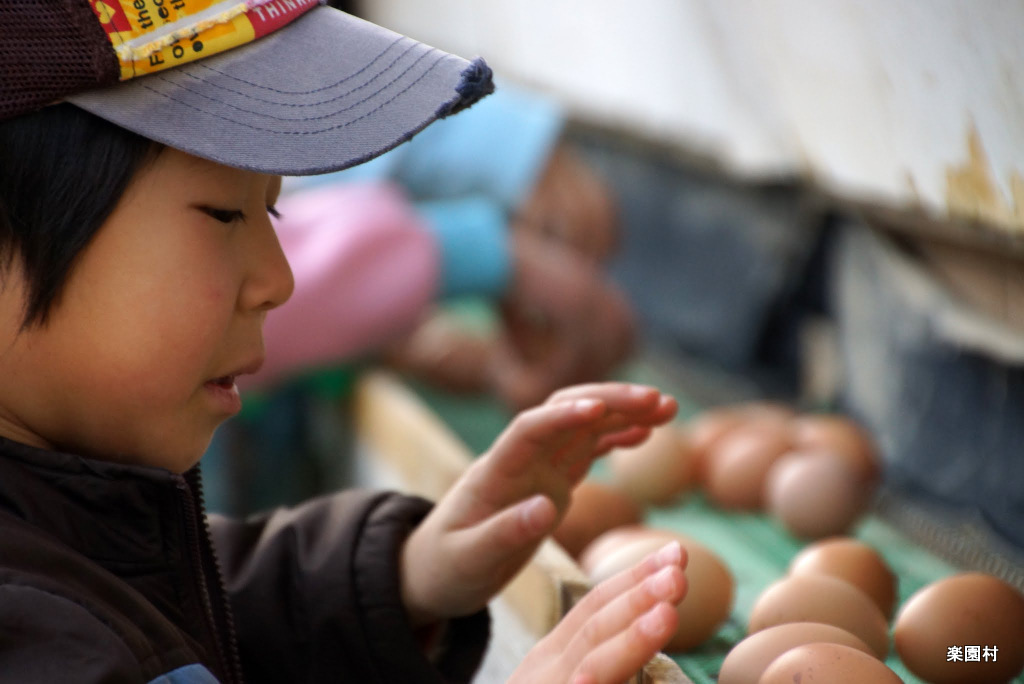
x=188, y=456
x=183, y=464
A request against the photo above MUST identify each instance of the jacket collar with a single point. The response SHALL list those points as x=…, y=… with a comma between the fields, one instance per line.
x=143, y=525
x=109, y=512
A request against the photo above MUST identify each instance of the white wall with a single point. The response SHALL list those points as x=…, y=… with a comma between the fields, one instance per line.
x=906, y=102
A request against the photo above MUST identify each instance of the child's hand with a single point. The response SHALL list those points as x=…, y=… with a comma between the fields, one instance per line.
x=493, y=518
x=618, y=626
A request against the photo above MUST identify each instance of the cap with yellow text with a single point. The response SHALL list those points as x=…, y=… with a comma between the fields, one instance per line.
x=278, y=86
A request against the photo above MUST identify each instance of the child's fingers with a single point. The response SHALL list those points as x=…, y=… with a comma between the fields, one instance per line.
x=666, y=409
x=672, y=554
x=613, y=423
x=563, y=435
x=543, y=430
x=576, y=458
x=516, y=526
x=629, y=437
x=620, y=657
x=667, y=585
x=619, y=396
x=552, y=428
x=662, y=412
x=609, y=431
x=485, y=549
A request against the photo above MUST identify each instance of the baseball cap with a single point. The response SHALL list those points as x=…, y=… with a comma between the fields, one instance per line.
x=288, y=87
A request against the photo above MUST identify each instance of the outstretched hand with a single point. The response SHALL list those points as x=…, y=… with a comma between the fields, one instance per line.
x=618, y=626
x=488, y=525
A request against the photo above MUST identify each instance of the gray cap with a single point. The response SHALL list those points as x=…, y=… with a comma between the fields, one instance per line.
x=323, y=93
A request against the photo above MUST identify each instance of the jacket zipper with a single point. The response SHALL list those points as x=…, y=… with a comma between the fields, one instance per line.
x=199, y=539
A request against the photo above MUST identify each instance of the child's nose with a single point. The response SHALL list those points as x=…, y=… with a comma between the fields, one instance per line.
x=270, y=281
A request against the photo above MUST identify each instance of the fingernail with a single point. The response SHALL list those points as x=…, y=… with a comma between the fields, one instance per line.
x=669, y=554
x=639, y=391
x=652, y=623
x=662, y=584
x=535, y=513
x=586, y=404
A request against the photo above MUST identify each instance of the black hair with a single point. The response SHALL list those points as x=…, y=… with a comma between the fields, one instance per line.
x=350, y=6
x=62, y=172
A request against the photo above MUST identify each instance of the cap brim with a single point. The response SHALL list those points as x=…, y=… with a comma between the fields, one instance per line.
x=326, y=92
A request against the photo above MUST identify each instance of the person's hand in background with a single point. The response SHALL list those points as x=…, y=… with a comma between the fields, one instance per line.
x=561, y=322
x=446, y=352
x=560, y=318
x=571, y=205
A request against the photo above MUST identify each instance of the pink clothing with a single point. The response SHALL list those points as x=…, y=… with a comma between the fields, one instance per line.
x=366, y=269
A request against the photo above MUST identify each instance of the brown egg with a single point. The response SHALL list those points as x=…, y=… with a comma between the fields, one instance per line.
x=657, y=471
x=747, y=660
x=820, y=598
x=709, y=594
x=736, y=470
x=707, y=429
x=970, y=609
x=827, y=664
x=612, y=539
x=855, y=562
x=840, y=434
x=815, y=494
x=595, y=508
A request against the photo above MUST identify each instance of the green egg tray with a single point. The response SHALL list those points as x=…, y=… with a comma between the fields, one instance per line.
x=755, y=547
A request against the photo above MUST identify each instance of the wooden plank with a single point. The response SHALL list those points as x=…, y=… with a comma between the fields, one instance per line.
x=662, y=670
x=408, y=436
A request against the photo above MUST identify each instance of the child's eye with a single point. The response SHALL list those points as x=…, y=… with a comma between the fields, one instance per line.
x=272, y=210
x=224, y=215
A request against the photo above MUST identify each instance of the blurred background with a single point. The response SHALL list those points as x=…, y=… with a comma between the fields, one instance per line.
x=816, y=205
x=821, y=202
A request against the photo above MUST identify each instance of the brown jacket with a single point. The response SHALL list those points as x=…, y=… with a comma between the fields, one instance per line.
x=108, y=574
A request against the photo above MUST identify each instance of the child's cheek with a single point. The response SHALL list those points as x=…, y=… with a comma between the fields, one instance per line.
x=162, y=353
x=218, y=295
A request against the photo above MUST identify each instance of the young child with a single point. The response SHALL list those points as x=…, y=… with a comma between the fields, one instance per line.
x=138, y=264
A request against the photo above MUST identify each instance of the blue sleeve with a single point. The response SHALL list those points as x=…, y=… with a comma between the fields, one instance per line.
x=472, y=235
x=497, y=148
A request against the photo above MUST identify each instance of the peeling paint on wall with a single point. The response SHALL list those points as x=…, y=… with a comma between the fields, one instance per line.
x=866, y=99
x=971, y=190
x=915, y=194
x=1017, y=193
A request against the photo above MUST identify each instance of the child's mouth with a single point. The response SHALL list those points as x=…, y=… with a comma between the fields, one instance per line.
x=224, y=394
x=226, y=382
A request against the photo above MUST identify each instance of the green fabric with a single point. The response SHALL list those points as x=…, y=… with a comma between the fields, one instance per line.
x=329, y=384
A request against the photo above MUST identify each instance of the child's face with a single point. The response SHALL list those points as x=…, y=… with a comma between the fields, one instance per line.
x=163, y=308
